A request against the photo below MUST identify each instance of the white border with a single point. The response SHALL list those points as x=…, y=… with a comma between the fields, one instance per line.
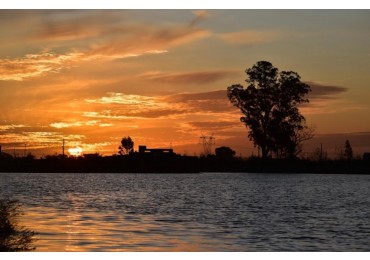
x=184, y=4
x=189, y=255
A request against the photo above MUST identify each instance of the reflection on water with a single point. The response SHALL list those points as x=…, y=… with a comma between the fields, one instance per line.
x=96, y=231
x=194, y=212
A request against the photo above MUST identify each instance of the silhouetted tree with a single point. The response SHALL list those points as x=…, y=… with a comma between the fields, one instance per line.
x=270, y=107
x=127, y=146
x=301, y=135
x=5, y=156
x=13, y=237
x=339, y=153
x=348, y=152
x=224, y=152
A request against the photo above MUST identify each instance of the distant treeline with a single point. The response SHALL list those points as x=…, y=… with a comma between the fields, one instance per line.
x=135, y=163
x=172, y=163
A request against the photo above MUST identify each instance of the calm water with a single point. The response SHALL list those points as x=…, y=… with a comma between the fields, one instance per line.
x=194, y=212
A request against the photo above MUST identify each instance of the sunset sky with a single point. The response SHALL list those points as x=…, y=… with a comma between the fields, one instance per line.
x=92, y=77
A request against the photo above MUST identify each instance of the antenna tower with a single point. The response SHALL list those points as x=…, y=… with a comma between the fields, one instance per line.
x=207, y=142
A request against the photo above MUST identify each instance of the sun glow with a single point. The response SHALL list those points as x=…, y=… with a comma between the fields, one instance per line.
x=77, y=151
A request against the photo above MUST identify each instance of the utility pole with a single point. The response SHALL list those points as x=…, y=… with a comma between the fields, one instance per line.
x=63, y=148
x=25, y=150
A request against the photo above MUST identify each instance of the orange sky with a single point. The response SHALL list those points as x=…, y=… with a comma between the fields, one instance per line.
x=160, y=76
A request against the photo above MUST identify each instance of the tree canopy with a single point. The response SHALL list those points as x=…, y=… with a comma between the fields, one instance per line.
x=270, y=107
x=127, y=146
x=224, y=152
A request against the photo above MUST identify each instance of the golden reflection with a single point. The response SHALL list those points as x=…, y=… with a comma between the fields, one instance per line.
x=71, y=230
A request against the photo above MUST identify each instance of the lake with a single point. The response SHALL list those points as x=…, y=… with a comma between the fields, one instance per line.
x=193, y=212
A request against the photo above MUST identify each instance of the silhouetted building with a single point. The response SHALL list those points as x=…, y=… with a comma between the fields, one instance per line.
x=366, y=157
x=144, y=150
x=91, y=156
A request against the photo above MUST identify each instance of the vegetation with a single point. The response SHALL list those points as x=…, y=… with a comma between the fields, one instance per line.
x=224, y=152
x=223, y=161
x=270, y=107
x=348, y=153
x=127, y=146
x=13, y=238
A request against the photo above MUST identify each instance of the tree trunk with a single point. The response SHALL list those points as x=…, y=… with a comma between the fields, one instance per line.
x=265, y=152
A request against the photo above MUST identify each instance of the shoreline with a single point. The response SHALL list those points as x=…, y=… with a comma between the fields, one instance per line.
x=182, y=165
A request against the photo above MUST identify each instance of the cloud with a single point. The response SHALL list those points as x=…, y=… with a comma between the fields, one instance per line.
x=200, y=15
x=32, y=65
x=203, y=102
x=249, y=37
x=124, y=99
x=327, y=99
x=330, y=105
x=80, y=123
x=36, y=138
x=104, y=114
x=200, y=96
x=72, y=25
x=67, y=40
x=214, y=125
x=96, y=147
x=139, y=106
x=325, y=91
x=202, y=77
x=11, y=127
x=105, y=124
x=145, y=39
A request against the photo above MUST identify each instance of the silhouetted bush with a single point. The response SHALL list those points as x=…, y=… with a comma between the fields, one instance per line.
x=13, y=237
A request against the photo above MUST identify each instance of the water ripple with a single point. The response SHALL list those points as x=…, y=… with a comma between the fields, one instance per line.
x=194, y=212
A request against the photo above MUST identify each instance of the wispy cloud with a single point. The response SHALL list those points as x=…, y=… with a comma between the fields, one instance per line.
x=325, y=91
x=104, y=114
x=10, y=127
x=330, y=106
x=249, y=37
x=69, y=42
x=200, y=15
x=139, y=106
x=120, y=98
x=201, y=77
x=80, y=123
x=328, y=99
x=212, y=125
x=32, y=65
x=185, y=97
x=36, y=138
